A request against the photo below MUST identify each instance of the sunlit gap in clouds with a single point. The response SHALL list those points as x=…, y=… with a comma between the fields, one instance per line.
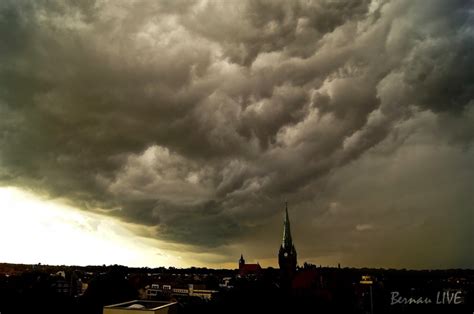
x=33, y=230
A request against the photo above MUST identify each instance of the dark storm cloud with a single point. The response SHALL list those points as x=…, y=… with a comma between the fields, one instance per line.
x=265, y=26
x=202, y=118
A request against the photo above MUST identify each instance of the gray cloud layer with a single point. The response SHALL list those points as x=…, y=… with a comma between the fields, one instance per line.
x=202, y=118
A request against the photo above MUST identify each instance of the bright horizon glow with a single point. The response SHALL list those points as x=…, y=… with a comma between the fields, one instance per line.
x=34, y=231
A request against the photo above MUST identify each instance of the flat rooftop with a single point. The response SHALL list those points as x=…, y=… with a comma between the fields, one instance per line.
x=141, y=305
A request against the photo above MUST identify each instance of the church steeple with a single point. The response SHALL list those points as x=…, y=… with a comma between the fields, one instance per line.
x=287, y=254
x=241, y=261
x=287, y=242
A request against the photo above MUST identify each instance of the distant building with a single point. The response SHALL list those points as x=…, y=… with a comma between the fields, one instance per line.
x=142, y=307
x=226, y=283
x=191, y=290
x=287, y=254
x=204, y=294
x=248, y=269
x=153, y=291
x=67, y=285
x=61, y=286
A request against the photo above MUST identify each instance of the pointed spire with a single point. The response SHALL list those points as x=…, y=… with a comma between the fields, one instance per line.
x=287, y=241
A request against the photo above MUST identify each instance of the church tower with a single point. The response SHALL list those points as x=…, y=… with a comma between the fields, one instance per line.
x=287, y=254
x=241, y=261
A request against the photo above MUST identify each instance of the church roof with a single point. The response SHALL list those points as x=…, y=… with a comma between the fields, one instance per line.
x=251, y=268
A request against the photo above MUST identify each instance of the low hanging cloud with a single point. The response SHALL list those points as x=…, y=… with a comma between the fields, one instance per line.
x=201, y=118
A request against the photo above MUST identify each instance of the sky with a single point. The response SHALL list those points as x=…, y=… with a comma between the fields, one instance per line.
x=171, y=133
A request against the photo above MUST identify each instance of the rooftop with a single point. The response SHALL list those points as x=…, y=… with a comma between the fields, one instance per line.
x=141, y=306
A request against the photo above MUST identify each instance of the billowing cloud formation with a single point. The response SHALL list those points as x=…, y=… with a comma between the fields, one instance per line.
x=202, y=118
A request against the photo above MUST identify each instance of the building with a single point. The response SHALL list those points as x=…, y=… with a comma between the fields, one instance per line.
x=190, y=290
x=287, y=254
x=204, y=294
x=226, y=283
x=69, y=284
x=142, y=307
x=153, y=291
x=248, y=269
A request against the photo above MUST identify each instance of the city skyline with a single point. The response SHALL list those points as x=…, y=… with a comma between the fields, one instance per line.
x=173, y=132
